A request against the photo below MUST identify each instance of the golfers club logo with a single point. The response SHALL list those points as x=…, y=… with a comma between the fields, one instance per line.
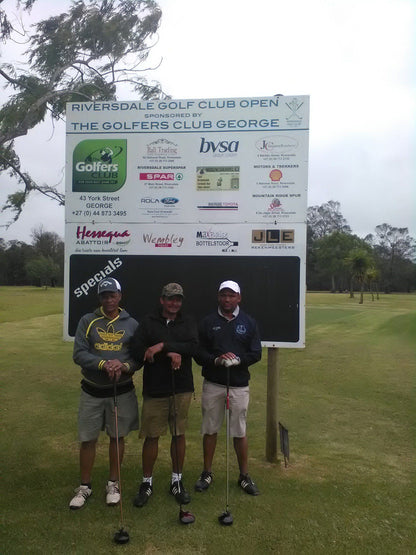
x=99, y=165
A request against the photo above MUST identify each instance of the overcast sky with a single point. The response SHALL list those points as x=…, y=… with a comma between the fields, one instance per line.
x=354, y=58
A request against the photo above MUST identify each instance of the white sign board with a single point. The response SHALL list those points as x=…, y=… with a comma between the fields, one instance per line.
x=193, y=178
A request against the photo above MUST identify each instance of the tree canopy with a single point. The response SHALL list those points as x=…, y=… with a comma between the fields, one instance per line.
x=336, y=258
x=83, y=54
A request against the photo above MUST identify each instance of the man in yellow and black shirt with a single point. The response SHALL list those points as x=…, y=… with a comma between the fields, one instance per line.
x=101, y=349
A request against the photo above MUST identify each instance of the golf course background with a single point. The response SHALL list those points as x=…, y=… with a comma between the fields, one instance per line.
x=347, y=400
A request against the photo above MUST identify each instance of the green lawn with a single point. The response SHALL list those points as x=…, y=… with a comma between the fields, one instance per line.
x=348, y=402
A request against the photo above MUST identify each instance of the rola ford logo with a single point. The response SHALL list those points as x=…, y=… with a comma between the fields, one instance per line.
x=169, y=200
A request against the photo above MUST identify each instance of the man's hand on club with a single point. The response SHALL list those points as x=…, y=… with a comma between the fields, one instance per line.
x=176, y=360
x=114, y=368
x=152, y=351
x=227, y=360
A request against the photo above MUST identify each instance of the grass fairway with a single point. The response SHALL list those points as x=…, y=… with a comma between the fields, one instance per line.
x=348, y=402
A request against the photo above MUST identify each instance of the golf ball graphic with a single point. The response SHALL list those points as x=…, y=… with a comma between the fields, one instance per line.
x=106, y=154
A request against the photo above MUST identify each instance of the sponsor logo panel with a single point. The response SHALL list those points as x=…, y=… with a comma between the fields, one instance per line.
x=163, y=240
x=277, y=147
x=218, y=178
x=159, y=207
x=262, y=239
x=294, y=119
x=216, y=239
x=221, y=206
x=161, y=150
x=99, y=239
x=219, y=148
x=99, y=165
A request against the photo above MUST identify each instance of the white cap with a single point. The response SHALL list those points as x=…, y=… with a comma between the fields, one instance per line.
x=230, y=285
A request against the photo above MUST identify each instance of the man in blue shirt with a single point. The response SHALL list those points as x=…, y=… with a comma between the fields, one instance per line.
x=229, y=342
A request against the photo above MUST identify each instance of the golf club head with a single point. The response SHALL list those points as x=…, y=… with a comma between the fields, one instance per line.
x=186, y=517
x=122, y=536
x=226, y=518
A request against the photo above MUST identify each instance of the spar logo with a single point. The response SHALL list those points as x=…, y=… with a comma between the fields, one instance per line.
x=99, y=165
x=159, y=176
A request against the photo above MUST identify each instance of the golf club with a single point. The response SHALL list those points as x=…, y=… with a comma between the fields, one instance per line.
x=226, y=518
x=185, y=517
x=121, y=536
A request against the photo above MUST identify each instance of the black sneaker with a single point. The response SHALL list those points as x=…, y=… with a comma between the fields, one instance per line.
x=142, y=496
x=247, y=484
x=178, y=490
x=204, y=481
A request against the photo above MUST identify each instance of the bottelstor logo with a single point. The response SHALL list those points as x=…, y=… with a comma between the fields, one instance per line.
x=99, y=165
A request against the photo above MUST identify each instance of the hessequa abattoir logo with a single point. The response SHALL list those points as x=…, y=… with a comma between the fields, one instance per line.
x=99, y=165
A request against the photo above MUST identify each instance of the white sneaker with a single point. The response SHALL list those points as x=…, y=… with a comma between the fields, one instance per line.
x=113, y=493
x=79, y=500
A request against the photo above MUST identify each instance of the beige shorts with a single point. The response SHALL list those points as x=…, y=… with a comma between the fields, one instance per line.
x=213, y=408
x=157, y=412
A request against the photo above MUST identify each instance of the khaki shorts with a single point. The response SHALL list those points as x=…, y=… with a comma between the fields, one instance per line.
x=157, y=412
x=96, y=414
x=213, y=408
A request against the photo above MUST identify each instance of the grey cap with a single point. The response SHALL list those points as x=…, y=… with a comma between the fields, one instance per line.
x=172, y=289
x=108, y=284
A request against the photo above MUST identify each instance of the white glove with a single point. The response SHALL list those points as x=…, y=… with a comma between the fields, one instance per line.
x=231, y=362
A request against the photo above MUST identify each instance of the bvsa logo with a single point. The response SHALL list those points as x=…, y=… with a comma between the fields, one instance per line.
x=221, y=147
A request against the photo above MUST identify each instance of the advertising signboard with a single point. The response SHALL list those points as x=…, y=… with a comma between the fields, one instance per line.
x=195, y=191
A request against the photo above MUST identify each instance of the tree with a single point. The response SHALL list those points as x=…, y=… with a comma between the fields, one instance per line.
x=3, y=269
x=394, y=250
x=330, y=253
x=43, y=269
x=81, y=55
x=359, y=262
x=325, y=219
x=48, y=244
x=15, y=258
x=322, y=221
x=372, y=278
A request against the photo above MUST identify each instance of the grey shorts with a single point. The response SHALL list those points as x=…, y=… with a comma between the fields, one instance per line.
x=157, y=412
x=96, y=414
x=213, y=408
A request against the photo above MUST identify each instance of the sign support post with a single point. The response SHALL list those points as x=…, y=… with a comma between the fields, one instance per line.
x=272, y=416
